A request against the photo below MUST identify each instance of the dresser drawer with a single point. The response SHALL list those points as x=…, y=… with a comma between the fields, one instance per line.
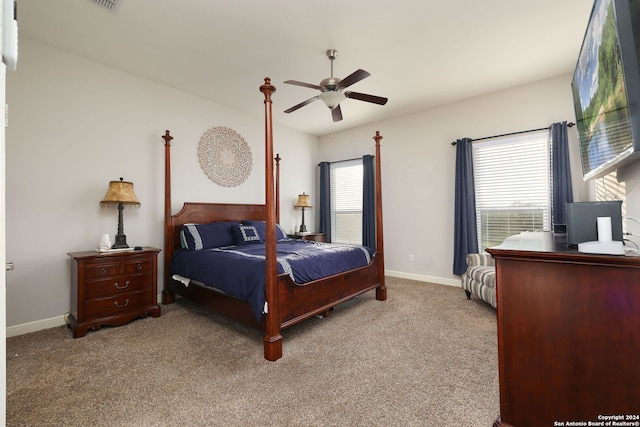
x=117, y=285
x=118, y=266
x=102, y=307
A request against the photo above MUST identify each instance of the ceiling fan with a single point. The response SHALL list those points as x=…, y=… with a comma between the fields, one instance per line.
x=332, y=90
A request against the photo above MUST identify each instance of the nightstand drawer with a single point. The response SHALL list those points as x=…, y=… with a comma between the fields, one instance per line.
x=114, y=268
x=117, y=285
x=101, y=270
x=117, y=304
x=140, y=266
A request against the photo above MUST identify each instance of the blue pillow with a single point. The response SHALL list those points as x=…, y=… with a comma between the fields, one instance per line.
x=246, y=234
x=207, y=236
x=262, y=229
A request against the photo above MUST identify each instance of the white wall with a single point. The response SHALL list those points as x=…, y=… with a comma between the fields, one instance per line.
x=75, y=125
x=418, y=167
x=630, y=177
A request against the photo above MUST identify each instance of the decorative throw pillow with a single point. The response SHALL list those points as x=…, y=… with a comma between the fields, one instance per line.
x=246, y=234
x=207, y=236
x=262, y=229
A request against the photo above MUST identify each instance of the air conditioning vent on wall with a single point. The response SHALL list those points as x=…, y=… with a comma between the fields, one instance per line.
x=110, y=5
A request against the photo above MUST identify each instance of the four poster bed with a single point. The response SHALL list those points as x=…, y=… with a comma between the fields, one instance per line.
x=285, y=301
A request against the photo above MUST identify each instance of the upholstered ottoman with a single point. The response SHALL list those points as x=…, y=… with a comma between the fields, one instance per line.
x=480, y=278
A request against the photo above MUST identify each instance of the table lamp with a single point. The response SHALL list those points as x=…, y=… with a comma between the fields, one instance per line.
x=120, y=194
x=303, y=202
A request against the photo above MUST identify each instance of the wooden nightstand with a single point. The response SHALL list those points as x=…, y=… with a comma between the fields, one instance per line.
x=112, y=288
x=317, y=237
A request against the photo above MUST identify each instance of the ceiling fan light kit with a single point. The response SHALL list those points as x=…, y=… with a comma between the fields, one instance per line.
x=332, y=98
x=332, y=90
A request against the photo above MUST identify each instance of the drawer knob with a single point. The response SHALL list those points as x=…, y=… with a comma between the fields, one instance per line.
x=126, y=303
x=103, y=271
x=139, y=267
x=126, y=285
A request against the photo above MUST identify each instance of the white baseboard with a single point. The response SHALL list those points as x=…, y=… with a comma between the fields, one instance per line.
x=38, y=325
x=422, y=278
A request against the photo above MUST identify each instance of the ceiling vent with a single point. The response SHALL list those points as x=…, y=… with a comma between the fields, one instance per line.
x=110, y=5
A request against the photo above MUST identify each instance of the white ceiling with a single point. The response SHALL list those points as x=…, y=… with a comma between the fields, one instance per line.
x=420, y=53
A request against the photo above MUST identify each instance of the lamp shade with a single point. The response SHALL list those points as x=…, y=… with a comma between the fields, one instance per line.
x=303, y=201
x=120, y=192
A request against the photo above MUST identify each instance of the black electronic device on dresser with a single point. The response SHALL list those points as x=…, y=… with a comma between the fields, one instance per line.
x=112, y=288
x=582, y=218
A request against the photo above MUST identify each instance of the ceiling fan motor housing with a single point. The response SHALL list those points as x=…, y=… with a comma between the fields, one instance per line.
x=330, y=83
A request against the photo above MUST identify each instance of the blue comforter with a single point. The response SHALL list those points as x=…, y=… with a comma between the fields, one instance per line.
x=239, y=270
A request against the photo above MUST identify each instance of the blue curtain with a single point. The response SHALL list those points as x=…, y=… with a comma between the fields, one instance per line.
x=561, y=188
x=368, y=202
x=325, y=199
x=465, y=232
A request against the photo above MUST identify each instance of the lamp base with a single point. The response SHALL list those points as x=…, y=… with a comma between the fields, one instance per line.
x=303, y=228
x=121, y=242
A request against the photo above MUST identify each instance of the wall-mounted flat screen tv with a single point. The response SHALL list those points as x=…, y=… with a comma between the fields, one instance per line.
x=606, y=88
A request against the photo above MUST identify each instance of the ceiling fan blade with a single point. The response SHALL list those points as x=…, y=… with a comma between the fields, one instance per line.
x=303, y=84
x=336, y=113
x=365, y=97
x=302, y=104
x=354, y=77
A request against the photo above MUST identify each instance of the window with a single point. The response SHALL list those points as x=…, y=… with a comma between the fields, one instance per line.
x=512, y=185
x=346, y=202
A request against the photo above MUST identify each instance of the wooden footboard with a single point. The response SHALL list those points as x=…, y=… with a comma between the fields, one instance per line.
x=299, y=302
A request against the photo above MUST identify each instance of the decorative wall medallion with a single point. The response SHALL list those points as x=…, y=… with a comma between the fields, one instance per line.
x=224, y=156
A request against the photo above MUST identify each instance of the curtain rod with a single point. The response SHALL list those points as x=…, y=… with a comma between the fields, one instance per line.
x=570, y=124
x=346, y=160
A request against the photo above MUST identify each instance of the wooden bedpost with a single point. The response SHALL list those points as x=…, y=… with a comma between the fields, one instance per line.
x=167, y=296
x=272, y=337
x=381, y=291
x=277, y=159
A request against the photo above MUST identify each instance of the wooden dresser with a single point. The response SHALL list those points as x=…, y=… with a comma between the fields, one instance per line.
x=568, y=333
x=112, y=288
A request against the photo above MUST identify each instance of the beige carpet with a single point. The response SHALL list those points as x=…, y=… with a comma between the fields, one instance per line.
x=425, y=357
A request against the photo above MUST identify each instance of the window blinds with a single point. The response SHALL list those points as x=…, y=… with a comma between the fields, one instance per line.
x=512, y=185
x=346, y=202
